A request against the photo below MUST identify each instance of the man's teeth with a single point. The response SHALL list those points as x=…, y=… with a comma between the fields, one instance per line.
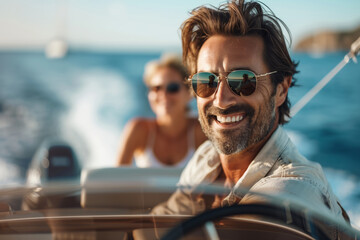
x=222, y=119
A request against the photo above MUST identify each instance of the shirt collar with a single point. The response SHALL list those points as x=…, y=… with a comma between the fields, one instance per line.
x=263, y=162
x=205, y=166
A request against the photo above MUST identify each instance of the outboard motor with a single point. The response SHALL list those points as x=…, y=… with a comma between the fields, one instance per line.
x=61, y=163
x=54, y=161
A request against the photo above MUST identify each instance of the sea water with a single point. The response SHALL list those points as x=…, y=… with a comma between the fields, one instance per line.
x=86, y=98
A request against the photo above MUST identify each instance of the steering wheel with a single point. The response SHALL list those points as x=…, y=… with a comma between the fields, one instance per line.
x=282, y=214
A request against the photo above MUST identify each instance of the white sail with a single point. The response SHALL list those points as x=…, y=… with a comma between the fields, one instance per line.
x=56, y=48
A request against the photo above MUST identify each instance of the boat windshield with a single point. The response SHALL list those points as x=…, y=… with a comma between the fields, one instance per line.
x=133, y=203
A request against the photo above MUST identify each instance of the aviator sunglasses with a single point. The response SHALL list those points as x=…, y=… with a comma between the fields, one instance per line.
x=241, y=82
x=170, y=88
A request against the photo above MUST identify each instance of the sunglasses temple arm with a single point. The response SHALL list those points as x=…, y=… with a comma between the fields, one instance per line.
x=355, y=47
x=265, y=74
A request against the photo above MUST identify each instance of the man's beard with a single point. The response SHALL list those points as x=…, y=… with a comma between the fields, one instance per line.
x=236, y=140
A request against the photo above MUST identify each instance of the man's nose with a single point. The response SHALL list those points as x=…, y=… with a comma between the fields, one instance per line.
x=223, y=97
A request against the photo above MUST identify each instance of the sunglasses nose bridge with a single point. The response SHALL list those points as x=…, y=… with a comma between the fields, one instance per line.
x=223, y=96
x=222, y=79
x=219, y=80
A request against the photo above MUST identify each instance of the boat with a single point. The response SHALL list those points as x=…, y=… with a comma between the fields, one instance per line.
x=116, y=203
x=63, y=201
x=56, y=48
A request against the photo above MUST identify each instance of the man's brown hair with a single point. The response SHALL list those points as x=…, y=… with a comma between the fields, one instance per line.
x=238, y=18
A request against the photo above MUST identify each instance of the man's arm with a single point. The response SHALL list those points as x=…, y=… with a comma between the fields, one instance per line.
x=180, y=203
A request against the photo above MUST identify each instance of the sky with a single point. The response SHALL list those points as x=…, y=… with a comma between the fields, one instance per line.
x=143, y=24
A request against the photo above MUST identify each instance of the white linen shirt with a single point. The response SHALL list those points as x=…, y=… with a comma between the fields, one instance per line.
x=278, y=170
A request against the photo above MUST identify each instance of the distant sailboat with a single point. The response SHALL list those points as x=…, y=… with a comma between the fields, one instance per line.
x=56, y=48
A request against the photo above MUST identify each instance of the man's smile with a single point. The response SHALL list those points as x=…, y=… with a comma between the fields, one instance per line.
x=228, y=121
x=230, y=118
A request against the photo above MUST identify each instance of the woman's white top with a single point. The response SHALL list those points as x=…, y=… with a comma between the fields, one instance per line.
x=148, y=158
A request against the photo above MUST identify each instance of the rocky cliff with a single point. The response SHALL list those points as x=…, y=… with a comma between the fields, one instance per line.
x=328, y=41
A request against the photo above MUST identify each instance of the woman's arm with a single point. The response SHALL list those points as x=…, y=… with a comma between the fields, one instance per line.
x=133, y=138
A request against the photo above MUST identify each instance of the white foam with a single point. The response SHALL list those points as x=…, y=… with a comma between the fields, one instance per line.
x=346, y=188
x=100, y=88
x=304, y=145
x=9, y=174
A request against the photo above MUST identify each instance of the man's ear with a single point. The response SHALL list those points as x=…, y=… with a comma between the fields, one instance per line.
x=282, y=90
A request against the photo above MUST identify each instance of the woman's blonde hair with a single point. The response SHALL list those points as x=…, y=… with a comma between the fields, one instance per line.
x=171, y=61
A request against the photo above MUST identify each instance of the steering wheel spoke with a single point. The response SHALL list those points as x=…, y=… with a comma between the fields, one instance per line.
x=210, y=231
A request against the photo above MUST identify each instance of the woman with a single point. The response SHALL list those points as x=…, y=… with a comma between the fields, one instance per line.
x=172, y=137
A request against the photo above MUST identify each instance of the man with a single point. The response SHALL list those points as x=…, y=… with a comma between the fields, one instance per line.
x=241, y=73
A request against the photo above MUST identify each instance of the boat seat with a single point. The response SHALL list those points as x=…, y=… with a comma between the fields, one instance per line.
x=127, y=187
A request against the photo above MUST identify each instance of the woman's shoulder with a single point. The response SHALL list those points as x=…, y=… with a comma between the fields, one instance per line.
x=141, y=124
x=137, y=131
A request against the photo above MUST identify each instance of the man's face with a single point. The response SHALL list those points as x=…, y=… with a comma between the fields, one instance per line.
x=251, y=117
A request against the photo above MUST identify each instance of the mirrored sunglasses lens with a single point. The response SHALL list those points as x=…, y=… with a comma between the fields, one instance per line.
x=204, y=84
x=242, y=82
x=173, y=88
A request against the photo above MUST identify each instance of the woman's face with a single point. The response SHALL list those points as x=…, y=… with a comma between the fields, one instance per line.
x=167, y=93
